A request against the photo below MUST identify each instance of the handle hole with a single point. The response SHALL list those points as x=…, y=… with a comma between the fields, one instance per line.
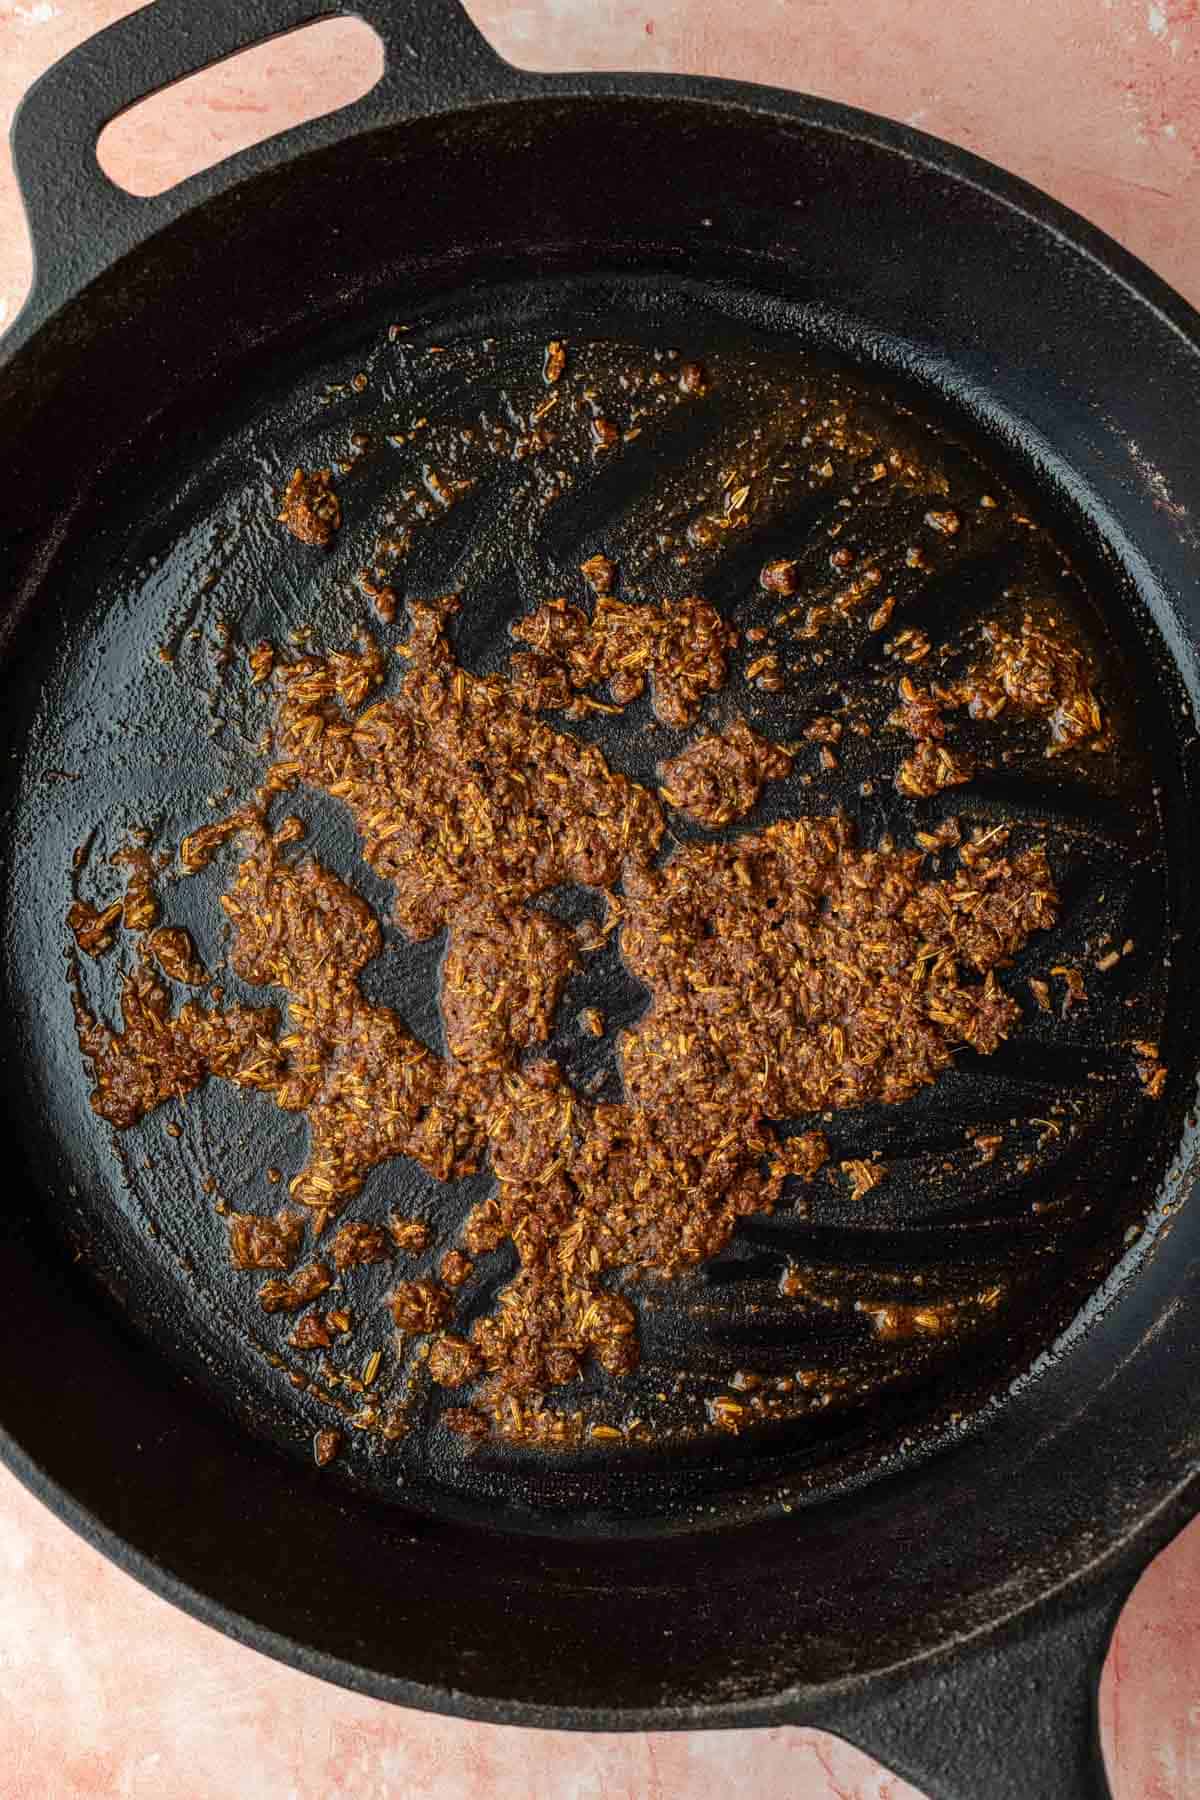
x=268, y=89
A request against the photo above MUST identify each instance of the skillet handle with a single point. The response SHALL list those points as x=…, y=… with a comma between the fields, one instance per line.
x=1010, y=1718
x=81, y=222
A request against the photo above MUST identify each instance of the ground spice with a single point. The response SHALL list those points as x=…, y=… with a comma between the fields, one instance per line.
x=139, y=910
x=789, y=972
x=453, y=1361
x=410, y=1235
x=311, y=510
x=310, y=1333
x=720, y=777
x=355, y=1244
x=803, y=1155
x=679, y=647
x=931, y=768
x=1032, y=671
x=289, y=1296
x=156, y=1057
x=780, y=577
x=256, y=1242
x=599, y=572
x=94, y=930
x=554, y=362
x=1041, y=674
x=454, y=1269
x=1150, y=1071
x=420, y=1306
x=174, y=952
x=862, y=1176
x=326, y=1445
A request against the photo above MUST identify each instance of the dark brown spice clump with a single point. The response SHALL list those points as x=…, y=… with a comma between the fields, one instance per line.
x=157, y=1057
x=919, y=712
x=599, y=572
x=94, y=930
x=326, y=1445
x=780, y=577
x=356, y=1243
x=289, y=1296
x=310, y=1333
x=932, y=767
x=465, y=1423
x=410, y=1235
x=1040, y=673
x=501, y=980
x=454, y=1269
x=453, y=1362
x=256, y=1242
x=420, y=1306
x=174, y=952
x=1033, y=671
x=679, y=646
x=311, y=509
x=803, y=1155
x=720, y=777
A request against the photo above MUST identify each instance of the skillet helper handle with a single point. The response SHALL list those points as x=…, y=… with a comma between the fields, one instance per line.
x=1010, y=1718
x=81, y=222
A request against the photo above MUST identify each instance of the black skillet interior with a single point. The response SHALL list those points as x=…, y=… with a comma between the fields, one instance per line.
x=141, y=427
x=146, y=718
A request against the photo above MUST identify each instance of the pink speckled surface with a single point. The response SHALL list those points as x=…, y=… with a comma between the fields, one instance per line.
x=104, y=1690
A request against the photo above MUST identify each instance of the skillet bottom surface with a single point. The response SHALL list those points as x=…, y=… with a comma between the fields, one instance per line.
x=853, y=1327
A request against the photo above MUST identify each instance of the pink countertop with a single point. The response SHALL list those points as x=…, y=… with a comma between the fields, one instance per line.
x=105, y=1690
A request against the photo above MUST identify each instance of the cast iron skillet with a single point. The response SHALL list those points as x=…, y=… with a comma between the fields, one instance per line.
x=951, y=1613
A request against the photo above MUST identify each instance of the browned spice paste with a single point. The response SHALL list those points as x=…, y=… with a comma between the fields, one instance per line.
x=311, y=509
x=1031, y=671
x=679, y=646
x=789, y=972
x=719, y=778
